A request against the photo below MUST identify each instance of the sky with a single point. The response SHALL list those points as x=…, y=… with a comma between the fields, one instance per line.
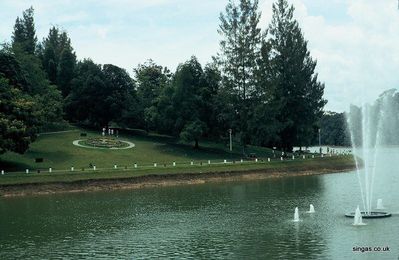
x=355, y=42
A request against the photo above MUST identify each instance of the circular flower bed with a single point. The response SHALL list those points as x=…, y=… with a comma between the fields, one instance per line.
x=104, y=142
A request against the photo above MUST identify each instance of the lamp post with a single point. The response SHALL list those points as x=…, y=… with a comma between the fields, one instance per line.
x=231, y=143
x=320, y=141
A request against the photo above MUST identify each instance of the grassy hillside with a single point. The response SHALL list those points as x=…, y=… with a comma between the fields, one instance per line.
x=59, y=153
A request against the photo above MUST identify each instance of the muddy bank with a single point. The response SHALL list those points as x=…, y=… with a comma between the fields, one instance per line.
x=165, y=180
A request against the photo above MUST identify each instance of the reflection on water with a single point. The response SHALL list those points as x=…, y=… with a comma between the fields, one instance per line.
x=220, y=220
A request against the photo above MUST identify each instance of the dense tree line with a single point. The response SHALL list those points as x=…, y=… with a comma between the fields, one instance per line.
x=333, y=130
x=262, y=85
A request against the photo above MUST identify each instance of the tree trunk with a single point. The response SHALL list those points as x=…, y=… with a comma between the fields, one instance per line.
x=196, y=144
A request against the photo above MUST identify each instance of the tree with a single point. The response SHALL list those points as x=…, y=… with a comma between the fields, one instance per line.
x=210, y=106
x=263, y=124
x=66, y=70
x=193, y=131
x=84, y=102
x=334, y=130
x=186, y=98
x=297, y=89
x=239, y=52
x=17, y=118
x=121, y=99
x=20, y=113
x=180, y=108
x=58, y=59
x=24, y=35
x=35, y=84
x=100, y=95
x=151, y=79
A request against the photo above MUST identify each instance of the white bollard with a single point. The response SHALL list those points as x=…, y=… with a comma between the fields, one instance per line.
x=94, y=168
x=192, y=163
x=312, y=156
x=72, y=169
x=303, y=156
x=225, y=161
x=330, y=155
x=281, y=158
x=268, y=159
x=293, y=157
x=209, y=161
x=256, y=159
x=27, y=170
x=50, y=170
x=135, y=165
x=242, y=161
x=155, y=164
x=115, y=166
x=174, y=163
x=322, y=155
x=2, y=172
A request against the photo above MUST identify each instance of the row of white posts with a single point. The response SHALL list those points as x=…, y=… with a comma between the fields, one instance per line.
x=174, y=163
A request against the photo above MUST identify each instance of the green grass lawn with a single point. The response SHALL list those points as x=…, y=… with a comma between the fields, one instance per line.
x=59, y=153
x=335, y=163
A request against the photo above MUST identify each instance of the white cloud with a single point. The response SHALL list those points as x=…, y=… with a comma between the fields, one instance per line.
x=357, y=58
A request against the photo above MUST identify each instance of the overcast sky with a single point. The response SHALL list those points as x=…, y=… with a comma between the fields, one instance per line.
x=356, y=42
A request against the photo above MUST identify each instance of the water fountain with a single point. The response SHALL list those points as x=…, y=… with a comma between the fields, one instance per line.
x=372, y=127
x=379, y=205
x=358, y=220
x=296, y=215
x=311, y=209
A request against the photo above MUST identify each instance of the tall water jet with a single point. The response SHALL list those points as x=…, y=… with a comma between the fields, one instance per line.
x=372, y=127
x=311, y=209
x=357, y=220
x=296, y=215
x=379, y=204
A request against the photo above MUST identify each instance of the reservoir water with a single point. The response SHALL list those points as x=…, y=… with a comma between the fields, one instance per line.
x=232, y=220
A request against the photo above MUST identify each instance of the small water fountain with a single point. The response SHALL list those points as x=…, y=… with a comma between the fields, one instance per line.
x=296, y=215
x=380, y=205
x=358, y=220
x=311, y=209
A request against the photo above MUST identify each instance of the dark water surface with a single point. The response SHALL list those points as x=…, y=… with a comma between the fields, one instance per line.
x=236, y=220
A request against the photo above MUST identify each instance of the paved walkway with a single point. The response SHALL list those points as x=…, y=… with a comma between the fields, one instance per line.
x=130, y=145
x=58, y=132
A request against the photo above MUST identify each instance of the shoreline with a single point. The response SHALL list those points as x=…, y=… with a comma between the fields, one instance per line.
x=162, y=180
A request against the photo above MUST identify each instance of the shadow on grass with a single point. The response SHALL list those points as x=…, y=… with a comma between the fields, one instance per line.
x=209, y=149
x=188, y=151
x=9, y=166
x=50, y=156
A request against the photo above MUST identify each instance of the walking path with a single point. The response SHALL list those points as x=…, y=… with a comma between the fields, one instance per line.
x=57, y=132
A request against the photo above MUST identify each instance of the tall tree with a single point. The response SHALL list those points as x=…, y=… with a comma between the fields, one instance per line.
x=239, y=52
x=187, y=101
x=24, y=35
x=23, y=50
x=121, y=101
x=210, y=105
x=58, y=59
x=84, y=103
x=151, y=79
x=297, y=90
x=263, y=124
